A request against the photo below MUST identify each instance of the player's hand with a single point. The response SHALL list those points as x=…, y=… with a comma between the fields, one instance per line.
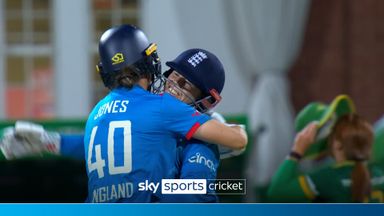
x=217, y=116
x=227, y=152
x=305, y=138
x=28, y=139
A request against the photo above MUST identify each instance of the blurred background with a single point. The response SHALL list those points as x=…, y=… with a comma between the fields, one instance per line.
x=278, y=55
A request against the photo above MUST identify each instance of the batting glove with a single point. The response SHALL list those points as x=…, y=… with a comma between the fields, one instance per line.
x=28, y=139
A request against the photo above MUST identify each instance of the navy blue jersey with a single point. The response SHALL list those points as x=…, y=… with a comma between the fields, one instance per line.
x=130, y=138
x=196, y=160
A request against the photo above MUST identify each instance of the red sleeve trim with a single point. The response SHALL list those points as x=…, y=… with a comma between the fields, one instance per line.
x=192, y=130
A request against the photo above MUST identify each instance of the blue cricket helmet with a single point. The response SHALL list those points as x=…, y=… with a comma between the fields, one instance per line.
x=126, y=46
x=203, y=69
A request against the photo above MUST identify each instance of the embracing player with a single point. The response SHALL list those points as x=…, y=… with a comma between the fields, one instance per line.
x=204, y=97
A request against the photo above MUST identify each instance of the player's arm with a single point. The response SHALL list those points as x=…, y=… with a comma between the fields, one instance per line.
x=287, y=185
x=185, y=120
x=215, y=132
x=72, y=145
x=30, y=139
x=225, y=152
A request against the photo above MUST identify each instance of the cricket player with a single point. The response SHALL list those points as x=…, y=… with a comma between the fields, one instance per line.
x=151, y=162
x=195, y=159
x=349, y=179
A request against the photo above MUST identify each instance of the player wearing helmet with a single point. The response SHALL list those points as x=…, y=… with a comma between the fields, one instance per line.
x=196, y=160
x=131, y=115
x=144, y=126
x=204, y=71
x=196, y=77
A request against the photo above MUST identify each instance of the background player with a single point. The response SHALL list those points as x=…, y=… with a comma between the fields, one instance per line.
x=348, y=179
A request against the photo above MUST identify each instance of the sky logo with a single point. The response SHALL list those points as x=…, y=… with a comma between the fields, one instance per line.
x=195, y=186
x=148, y=186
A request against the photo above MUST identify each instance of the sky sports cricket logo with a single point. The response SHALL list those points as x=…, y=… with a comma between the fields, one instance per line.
x=196, y=186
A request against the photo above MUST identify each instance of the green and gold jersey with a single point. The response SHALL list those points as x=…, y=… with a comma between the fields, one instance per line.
x=329, y=184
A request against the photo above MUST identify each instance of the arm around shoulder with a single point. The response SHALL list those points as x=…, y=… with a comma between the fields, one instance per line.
x=212, y=131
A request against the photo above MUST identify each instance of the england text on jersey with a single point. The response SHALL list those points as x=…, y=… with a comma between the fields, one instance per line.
x=112, y=192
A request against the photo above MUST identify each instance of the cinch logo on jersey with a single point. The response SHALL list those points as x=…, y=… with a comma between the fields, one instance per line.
x=197, y=58
x=199, y=159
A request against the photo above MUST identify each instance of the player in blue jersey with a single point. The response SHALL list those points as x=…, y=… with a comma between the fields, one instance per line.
x=131, y=134
x=198, y=160
x=191, y=83
x=195, y=160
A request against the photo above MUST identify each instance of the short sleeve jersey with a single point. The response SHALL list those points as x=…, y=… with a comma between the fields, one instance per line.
x=130, y=140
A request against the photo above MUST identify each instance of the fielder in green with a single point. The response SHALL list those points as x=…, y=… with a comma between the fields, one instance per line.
x=338, y=132
x=378, y=145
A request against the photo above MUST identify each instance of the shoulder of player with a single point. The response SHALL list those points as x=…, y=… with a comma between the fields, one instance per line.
x=135, y=90
x=324, y=170
x=99, y=104
x=376, y=169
